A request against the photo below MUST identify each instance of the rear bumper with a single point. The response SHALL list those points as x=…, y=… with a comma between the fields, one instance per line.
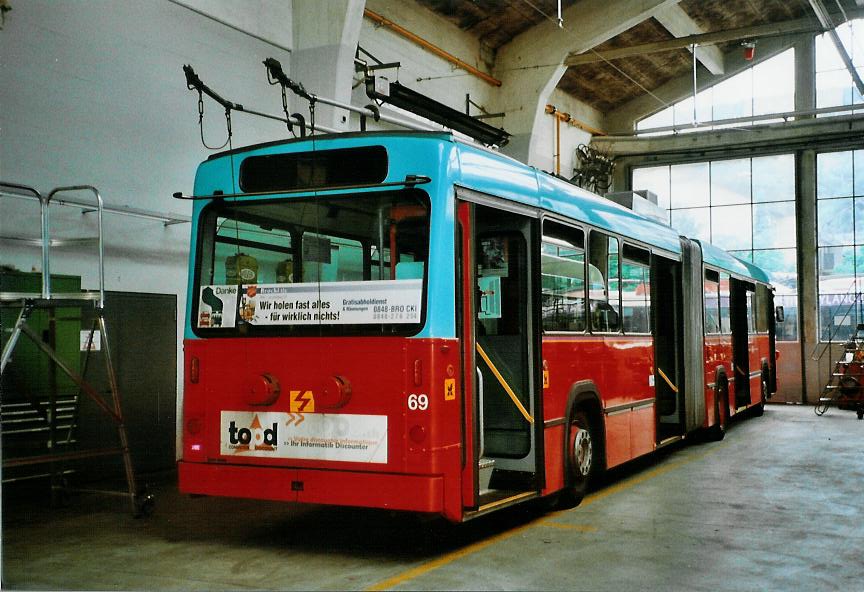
x=370, y=490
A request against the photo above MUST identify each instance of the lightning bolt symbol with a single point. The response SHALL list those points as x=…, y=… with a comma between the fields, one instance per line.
x=302, y=402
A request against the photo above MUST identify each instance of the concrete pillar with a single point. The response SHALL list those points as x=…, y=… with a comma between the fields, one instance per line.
x=805, y=74
x=322, y=60
x=808, y=328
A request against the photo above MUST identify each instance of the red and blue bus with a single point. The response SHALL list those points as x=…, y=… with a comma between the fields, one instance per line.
x=405, y=320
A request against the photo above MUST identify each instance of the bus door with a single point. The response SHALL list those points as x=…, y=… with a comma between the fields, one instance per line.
x=668, y=347
x=500, y=333
x=740, y=346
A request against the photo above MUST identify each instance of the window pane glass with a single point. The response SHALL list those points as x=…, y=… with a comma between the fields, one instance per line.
x=690, y=185
x=827, y=57
x=774, y=178
x=562, y=262
x=725, y=321
x=684, y=109
x=635, y=300
x=857, y=41
x=613, y=320
x=774, y=225
x=836, y=270
x=773, y=86
x=833, y=174
x=730, y=181
x=733, y=96
x=694, y=223
x=833, y=89
x=660, y=119
x=727, y=230
x=712, y=307
x=788, y=329
x=751, y=313
x=781, y=266
x=835, y=222
x=603, y=282
x=654, y=179
x=858, y=164
x=837, y=316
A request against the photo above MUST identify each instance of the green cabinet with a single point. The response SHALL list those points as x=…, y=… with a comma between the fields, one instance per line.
x=30, y=371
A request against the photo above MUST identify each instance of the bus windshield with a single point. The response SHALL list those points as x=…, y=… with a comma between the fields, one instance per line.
x=335, y=265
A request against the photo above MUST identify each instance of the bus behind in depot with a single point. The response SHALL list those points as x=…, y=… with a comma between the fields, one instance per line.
x=404, y=320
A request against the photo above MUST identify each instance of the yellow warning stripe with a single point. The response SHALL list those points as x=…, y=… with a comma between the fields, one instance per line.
x=504, y=384
x=666, y=378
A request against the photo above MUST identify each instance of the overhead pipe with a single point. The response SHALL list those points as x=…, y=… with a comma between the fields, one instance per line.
x=566, y=118
x=383, y=21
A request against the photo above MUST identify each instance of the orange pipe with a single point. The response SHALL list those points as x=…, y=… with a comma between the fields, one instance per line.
x=429, y=46
x=553, y=110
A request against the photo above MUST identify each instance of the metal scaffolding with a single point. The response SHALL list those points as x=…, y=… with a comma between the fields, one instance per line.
x=55, y=416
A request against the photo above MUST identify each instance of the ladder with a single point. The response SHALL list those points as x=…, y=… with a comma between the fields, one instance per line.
x=845, y=388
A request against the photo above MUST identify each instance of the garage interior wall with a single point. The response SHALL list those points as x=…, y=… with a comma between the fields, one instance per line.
x=93, y=93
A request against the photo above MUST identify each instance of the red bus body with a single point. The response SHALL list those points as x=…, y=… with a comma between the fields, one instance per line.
x=412, y=405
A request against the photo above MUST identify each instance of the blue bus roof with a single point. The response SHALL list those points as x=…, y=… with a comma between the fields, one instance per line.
x=441, y=154
x=717, y=257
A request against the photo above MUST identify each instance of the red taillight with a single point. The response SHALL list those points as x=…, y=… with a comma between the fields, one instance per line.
x=194, y=370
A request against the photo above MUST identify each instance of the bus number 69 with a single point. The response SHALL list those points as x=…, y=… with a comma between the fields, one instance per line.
x=416, y=402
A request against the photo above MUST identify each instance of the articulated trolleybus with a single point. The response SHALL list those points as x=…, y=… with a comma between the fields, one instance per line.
x=404, y=320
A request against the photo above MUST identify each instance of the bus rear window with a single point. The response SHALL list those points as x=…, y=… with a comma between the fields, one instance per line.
x=337, y=265
x=309, y=170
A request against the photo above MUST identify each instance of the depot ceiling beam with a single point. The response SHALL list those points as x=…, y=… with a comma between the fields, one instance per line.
x=759, y=31
x=679, y=23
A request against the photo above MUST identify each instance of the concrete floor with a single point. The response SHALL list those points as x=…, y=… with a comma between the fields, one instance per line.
x=778, y=505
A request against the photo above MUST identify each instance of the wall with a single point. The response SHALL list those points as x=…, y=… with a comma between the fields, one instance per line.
x=93, y=93
x=437, y=78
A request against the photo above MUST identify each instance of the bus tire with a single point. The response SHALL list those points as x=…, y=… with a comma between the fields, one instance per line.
x=721, y=412
x=759, y=408
x=581, y=457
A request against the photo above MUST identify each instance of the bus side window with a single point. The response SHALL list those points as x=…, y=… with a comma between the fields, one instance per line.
x=604, y=290
x=712, y=302
x=725, y=319
x=763, y=308
x=562, y=258
x=751, y=312
x=635, y=290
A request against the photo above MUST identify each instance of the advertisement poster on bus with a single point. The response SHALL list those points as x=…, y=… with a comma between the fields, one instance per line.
x=332, y=303
x=217, y=306
x=311, y=436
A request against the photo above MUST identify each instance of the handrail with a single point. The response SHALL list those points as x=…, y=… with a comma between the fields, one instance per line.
x=43, y=233
x=19, y=190
x=101, y=246
x=504, y=385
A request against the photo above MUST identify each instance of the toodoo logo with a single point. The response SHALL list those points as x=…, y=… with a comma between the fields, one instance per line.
x=255, y=437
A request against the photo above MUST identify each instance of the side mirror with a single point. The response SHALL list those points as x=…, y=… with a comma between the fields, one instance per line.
x=779, y=315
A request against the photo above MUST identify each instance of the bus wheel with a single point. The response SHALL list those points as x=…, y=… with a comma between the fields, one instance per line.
x=721, y=412
x=581, y=458
x=759, y=408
